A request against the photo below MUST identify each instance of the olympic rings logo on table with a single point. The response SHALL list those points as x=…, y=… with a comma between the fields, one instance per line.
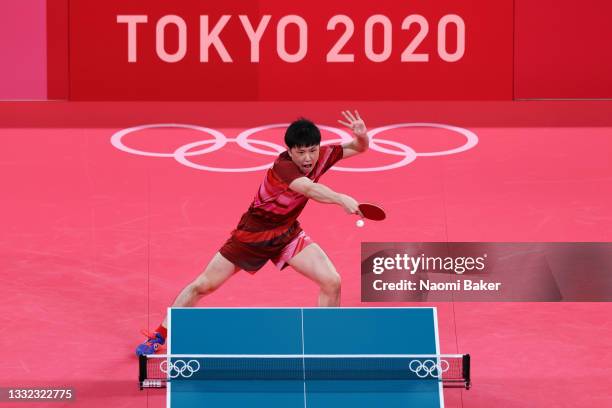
x=405, y=154
x=179, y=368
x=428, y=368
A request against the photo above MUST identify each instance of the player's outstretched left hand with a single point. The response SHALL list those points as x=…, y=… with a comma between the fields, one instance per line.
x=354, y=122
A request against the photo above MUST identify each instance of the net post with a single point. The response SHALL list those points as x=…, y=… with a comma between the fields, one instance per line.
x=466, y=371
x=142, y=369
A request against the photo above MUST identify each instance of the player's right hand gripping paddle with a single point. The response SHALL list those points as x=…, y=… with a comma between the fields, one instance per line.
x=372, y=211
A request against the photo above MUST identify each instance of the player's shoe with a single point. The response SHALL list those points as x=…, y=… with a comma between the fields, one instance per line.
x=154, y=341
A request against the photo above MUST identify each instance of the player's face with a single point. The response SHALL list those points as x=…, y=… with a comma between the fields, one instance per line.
x=305, y=157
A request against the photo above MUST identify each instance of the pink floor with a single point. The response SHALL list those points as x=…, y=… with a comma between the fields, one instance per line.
x=95, y=242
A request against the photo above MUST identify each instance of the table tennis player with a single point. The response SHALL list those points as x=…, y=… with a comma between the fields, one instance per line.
x=270, y=230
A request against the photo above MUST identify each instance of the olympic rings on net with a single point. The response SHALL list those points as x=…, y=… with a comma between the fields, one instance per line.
x=427, y=368
x=179, y=368
x=183, y=153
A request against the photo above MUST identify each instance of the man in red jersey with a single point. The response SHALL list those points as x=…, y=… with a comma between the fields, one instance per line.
x=269, y=230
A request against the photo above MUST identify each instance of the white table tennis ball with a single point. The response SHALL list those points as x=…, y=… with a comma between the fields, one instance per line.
x=360, y=223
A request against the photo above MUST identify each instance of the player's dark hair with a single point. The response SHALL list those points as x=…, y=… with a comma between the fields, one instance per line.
x=302, y=133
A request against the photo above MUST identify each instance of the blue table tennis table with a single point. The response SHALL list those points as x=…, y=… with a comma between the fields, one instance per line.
x=307, y=332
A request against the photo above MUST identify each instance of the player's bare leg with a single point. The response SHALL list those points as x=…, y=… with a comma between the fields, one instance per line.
x=218, y=270
x=313, y=263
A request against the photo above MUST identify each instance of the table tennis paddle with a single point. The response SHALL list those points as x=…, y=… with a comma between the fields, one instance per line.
x=372, y=211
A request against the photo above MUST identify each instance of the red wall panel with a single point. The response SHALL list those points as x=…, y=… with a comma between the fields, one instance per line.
x=57, y=49
x=563, y=49
x=100, y=70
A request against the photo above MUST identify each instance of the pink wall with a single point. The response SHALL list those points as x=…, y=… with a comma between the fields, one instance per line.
x=23, y=54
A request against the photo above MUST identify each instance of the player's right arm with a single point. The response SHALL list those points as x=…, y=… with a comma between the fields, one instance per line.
x=324, y=194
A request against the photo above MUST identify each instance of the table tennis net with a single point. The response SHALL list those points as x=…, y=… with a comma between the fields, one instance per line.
x=452, y=370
